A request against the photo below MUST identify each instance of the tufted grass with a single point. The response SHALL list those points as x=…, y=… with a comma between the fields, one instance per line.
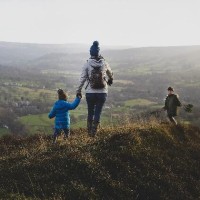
x=131, y=161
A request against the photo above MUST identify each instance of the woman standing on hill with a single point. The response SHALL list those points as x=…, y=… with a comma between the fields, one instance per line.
x=94, y=72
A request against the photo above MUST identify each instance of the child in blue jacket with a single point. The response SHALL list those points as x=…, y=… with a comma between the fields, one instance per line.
x=61, y=113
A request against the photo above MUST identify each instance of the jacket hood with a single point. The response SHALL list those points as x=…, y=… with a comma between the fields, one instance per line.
x=60, y=104
x=96, y=63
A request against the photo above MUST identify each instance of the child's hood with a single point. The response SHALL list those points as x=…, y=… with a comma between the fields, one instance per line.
x=60, y=104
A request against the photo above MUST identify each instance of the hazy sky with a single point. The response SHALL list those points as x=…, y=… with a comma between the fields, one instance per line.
x=112, y=22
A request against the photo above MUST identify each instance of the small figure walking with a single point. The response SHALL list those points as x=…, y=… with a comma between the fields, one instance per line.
x=171, y=103
x=60, y=111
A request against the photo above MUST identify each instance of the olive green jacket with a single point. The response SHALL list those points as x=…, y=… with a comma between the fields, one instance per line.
x=171, y=103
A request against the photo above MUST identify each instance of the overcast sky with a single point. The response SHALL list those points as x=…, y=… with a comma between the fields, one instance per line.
x=112, y=22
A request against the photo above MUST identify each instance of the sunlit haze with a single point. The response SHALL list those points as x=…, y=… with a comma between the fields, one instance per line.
x=112, y=22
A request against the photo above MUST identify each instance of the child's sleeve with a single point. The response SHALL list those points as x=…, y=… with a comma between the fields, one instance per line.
x=166, y=103
x=74, y=104
x=178, y=103
x=52, y=113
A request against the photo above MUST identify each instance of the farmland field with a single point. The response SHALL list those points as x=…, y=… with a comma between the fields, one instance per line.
x=139, y=102
x=141, y=77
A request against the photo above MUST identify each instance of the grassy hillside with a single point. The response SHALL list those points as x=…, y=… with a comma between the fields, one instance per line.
x=136, y=161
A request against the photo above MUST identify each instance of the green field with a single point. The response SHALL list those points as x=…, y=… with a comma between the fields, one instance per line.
x=37, y=123
x=138, y=102
x=16, y=92
x=42, y=124
x=4, y=131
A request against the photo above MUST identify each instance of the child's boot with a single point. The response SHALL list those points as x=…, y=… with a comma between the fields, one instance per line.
x=66, y=134
x=54, y=139
x=55, y=136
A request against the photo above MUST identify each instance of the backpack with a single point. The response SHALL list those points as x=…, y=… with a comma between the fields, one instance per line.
x=97, y=79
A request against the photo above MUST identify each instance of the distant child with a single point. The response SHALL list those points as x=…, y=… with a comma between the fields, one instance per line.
x=60, y=111
x=171, y=103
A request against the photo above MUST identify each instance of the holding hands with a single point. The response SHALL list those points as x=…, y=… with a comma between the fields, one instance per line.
x=79, y=95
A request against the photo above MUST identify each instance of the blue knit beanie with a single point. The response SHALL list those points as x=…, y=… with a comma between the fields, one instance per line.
x=94, y=49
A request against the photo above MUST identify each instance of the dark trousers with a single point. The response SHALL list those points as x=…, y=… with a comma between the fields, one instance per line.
x=95, y=102
x=57, y=132
x=172, y=119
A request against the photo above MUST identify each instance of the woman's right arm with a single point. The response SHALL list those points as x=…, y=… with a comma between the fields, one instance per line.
x=109, y=72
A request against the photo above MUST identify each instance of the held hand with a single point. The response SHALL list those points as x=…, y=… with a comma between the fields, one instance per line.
x=110, y=82
x=79, y=95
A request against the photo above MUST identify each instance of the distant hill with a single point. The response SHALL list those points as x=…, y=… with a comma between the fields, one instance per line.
x=135, y=161
x=12, y=53
x=167, y=58
x=17, y=53
x=63, y=61
x=67, y=56
x=156, y=57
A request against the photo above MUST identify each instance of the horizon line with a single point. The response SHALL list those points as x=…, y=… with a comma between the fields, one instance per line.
x=105, y=45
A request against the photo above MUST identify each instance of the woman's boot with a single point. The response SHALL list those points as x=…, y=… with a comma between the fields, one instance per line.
x=89, y=127
x=95, y=127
